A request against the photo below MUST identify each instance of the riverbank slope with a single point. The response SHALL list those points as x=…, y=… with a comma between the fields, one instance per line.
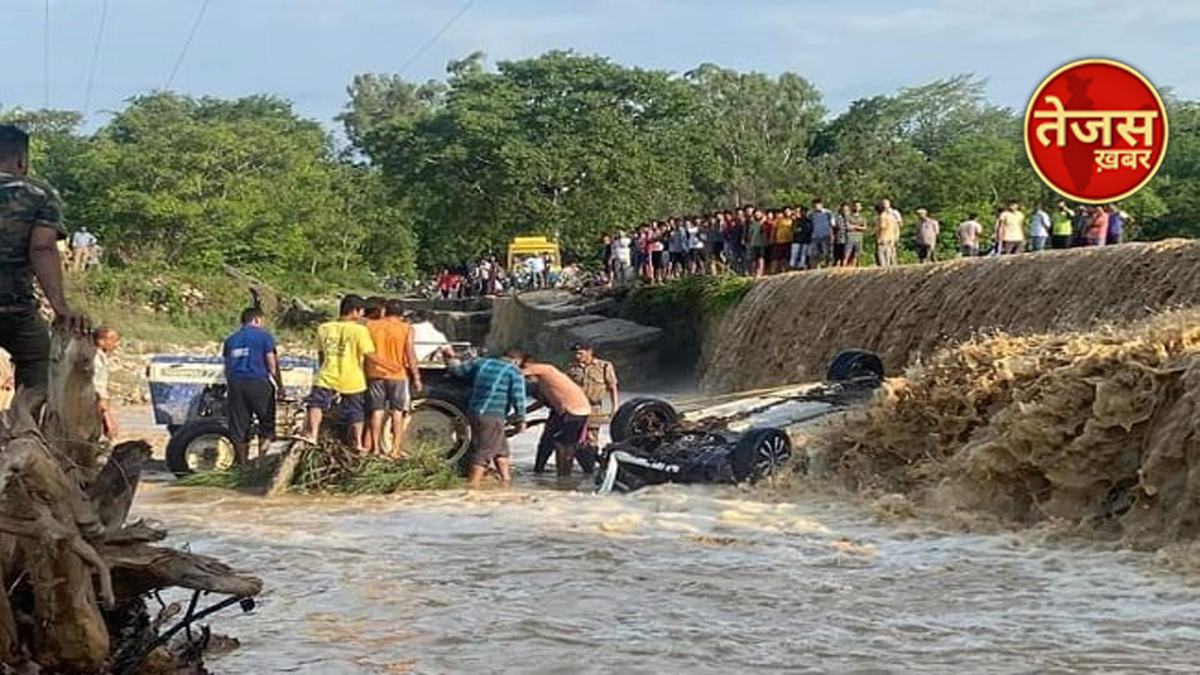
x=786, y=328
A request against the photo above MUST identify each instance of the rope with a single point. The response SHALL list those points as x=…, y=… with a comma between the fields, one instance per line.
x=187, y=44
x=46, y=57
x=436, y=36
x=87, y=98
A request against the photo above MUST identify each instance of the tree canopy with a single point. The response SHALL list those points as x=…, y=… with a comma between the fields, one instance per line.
x=564, y=144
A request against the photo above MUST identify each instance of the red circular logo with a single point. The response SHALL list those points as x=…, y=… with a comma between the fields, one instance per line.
x=1096, y=131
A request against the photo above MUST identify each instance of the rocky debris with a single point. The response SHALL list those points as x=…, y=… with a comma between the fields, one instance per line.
x=556, y=336
x=473, y=304
x=264, y=295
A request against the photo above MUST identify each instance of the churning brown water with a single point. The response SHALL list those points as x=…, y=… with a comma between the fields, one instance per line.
x=669, y=580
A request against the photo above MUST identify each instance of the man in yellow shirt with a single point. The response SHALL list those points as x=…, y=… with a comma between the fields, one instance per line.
x=781, y=247
x=344, y=347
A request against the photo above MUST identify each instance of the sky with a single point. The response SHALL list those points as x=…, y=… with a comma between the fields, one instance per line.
x=309, y=50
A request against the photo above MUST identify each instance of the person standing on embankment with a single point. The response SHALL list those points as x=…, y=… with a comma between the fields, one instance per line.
x=928, y=230
x=1061, y=227
x=887, y=234
x=969, y=232
x=1010, y=229
x=30, y=228
x=497, y=389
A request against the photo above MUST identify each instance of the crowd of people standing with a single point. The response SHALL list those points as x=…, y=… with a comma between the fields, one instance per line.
x=755, y=242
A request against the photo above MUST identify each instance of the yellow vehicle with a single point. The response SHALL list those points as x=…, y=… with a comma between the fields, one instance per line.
x=521, y=248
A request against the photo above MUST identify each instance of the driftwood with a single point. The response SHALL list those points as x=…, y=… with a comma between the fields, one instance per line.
x=75, y=575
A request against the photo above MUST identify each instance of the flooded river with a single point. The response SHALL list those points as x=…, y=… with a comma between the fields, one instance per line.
x=669, y=580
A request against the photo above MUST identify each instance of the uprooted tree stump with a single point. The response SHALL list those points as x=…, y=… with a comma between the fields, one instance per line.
x=76, y=576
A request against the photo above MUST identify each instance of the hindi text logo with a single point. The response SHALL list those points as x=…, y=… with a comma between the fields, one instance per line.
x=1096, y=131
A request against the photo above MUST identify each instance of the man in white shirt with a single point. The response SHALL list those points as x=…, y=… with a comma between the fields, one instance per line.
x=537, y=268
x=83, y=248
x=622, y=253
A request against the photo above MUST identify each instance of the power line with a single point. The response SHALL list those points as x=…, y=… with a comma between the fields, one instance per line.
x=46, y=57
x=87, y=98
x=436, y=36
x=186, y=44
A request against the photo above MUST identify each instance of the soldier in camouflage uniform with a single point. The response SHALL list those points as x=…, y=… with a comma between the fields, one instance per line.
x=30, y=227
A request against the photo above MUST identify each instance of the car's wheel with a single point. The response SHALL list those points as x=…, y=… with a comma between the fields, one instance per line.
x=855, y=364
x=759, y=453
x=200, y=446
x=643, y=417
x=441, y=424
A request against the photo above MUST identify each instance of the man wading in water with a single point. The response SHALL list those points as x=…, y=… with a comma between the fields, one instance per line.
x=497, y=388
x=30, y=228
x=568, y=421
x=598, y=378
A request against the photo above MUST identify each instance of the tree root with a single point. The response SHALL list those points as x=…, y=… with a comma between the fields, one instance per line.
x=75, y=576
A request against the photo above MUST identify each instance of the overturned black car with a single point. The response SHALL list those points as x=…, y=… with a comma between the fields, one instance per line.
x=653, y=443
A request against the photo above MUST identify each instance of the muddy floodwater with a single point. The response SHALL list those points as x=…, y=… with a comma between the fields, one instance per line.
x=669, y=580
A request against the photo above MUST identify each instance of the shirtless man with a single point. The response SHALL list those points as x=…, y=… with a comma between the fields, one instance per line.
x=569, y=408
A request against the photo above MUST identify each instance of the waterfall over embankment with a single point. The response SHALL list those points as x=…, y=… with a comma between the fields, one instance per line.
x=1098, y=431
x=788, y=327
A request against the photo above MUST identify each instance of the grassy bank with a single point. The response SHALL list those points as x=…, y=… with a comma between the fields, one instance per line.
x=684, y=308
x=160, y=304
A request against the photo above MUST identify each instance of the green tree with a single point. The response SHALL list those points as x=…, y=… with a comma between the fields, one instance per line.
x=760, y=127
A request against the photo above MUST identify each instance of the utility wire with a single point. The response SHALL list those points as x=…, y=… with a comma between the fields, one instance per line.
x=87, y=98
x=436, y=36
x=46, y=57
x=186, y=44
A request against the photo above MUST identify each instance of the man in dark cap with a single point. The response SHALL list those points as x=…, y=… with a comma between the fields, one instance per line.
x=598, y=378
x=30, y=228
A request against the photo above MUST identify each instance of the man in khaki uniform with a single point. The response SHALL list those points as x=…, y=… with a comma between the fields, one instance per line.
x=598, y=378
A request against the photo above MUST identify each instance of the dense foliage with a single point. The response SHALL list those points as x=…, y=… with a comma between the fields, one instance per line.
x=198, y=183
x=564, y=144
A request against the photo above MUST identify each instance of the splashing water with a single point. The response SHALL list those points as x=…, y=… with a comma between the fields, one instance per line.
x=672, y=579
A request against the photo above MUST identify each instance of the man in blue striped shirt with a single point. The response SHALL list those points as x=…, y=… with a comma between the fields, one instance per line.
x=497, y=388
